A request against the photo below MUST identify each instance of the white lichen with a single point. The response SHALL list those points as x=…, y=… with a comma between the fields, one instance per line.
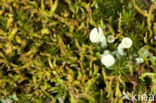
x=126, y=42
x=97, y=36
x=120, y=50
x=110, y=38
x=139, y=60
x=107, y=60
x=103, y=42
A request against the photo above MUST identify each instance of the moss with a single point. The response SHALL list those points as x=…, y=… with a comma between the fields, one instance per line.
x=46, y=54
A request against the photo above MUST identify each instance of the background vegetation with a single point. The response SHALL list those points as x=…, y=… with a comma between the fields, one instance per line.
x=46, y=55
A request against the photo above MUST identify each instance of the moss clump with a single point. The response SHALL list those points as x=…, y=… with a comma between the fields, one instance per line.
x=46, y=54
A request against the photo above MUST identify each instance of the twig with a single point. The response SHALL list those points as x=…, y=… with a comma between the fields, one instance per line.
x=139, y=9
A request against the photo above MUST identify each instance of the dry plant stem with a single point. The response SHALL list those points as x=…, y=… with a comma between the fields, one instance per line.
x=53, y=7
x=145, y=38
x=119, y=28
x=134, y=81
x=42, y=5
x=149, y=19
x=139, y=9
x=108, y=81
x=148, y=15
x=134, y=87
x=68, y=2
x=1, y=12
x=119, y=25
x=111, y=29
